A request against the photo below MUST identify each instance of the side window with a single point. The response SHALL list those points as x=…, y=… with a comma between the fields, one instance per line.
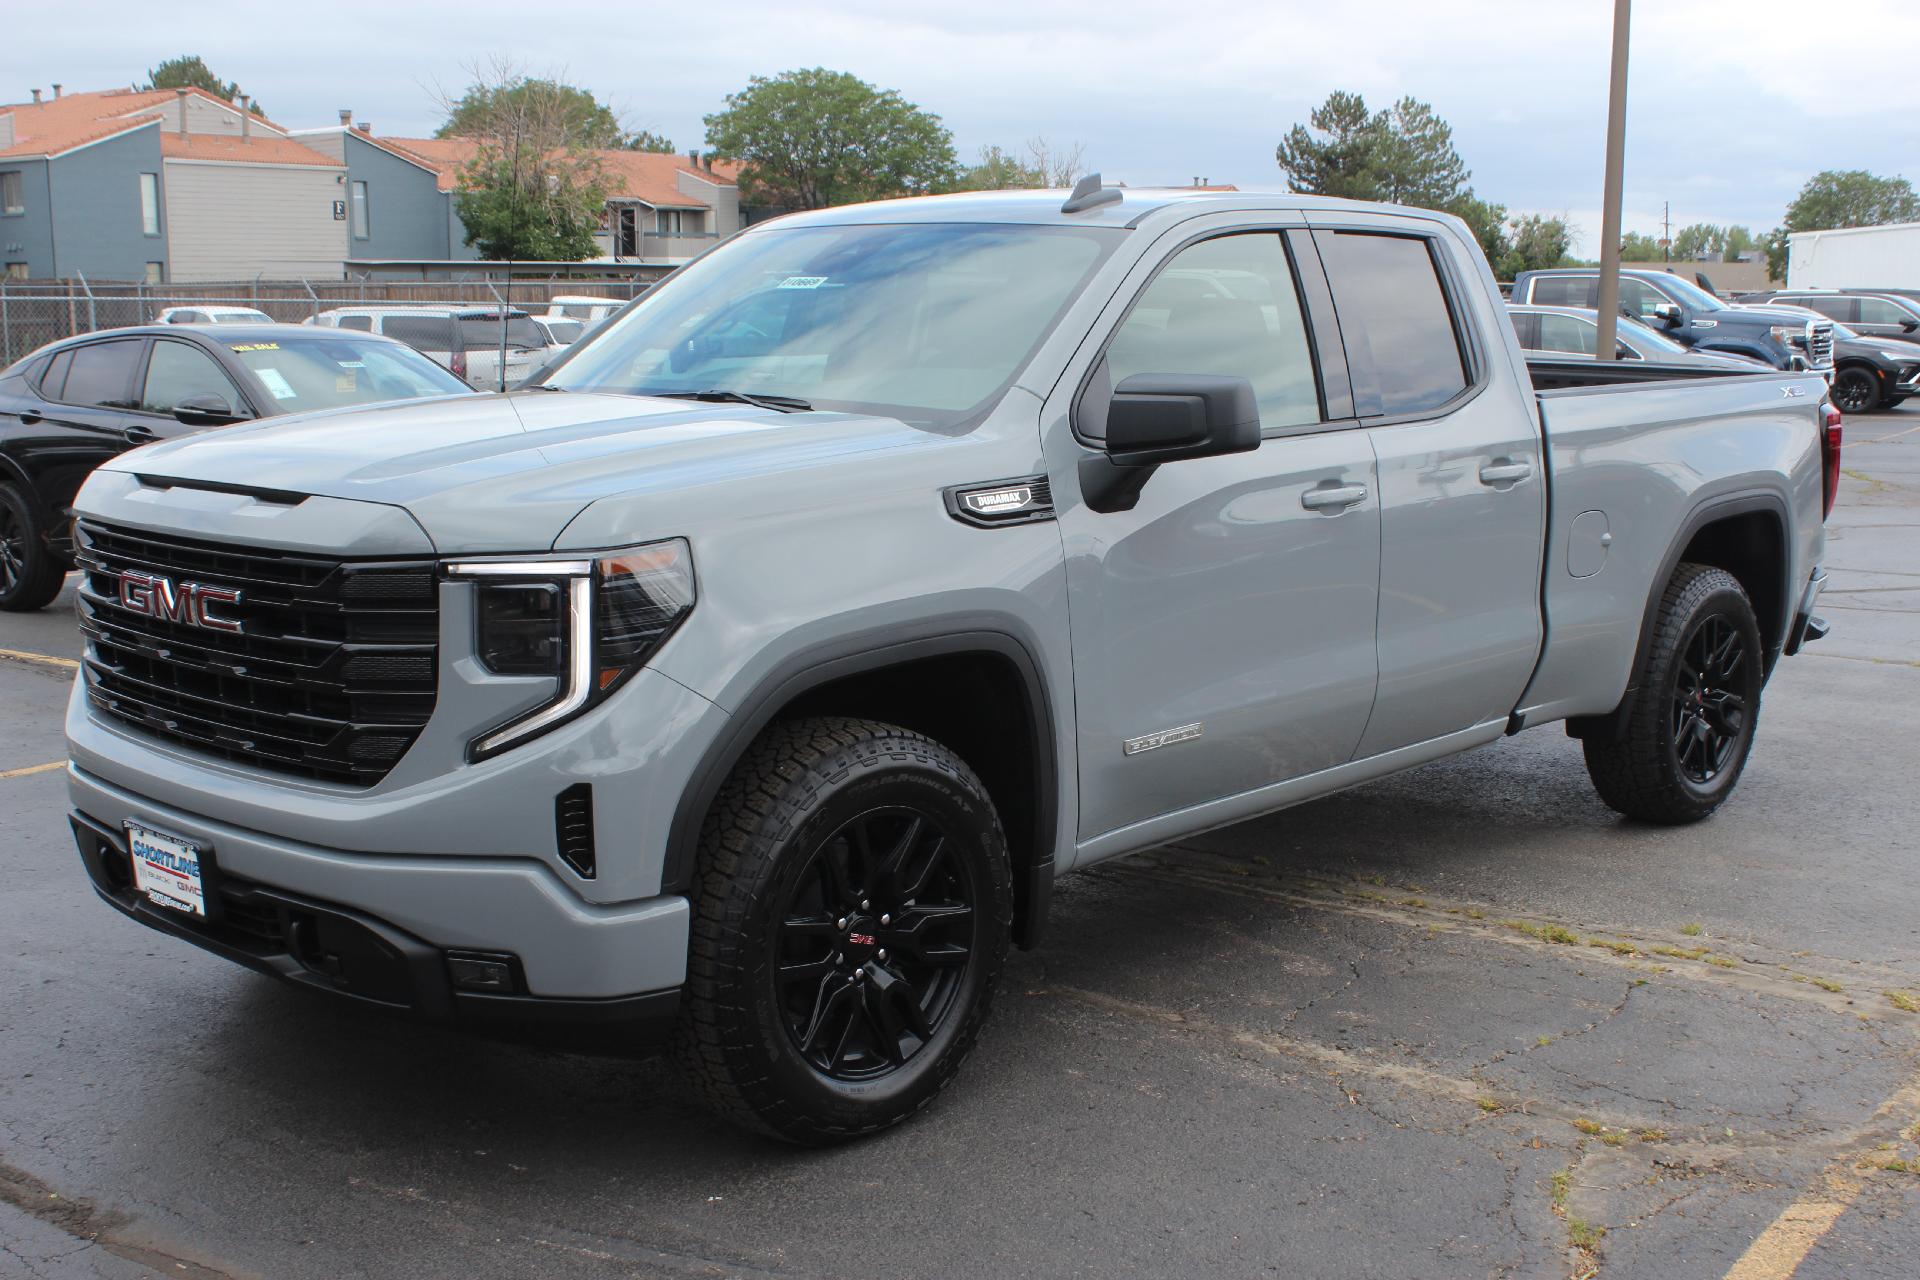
x=1876, y=311
x=1561, y=291
x=1639, y=298
x=363, y=323
x=1526, y=327
x=101, y=373
x=53, y=382
x=1568, y=333
x=1395, y=319
x=178, y=372
x=1225, y=306
x=422, y=333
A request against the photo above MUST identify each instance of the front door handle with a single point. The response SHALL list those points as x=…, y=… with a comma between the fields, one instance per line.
x=1505, y=472
x=139, y=435
x=1334, y=498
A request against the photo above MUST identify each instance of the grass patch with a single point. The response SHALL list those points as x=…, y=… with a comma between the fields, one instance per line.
x=1544, y=932
x=1584, y=1234
x=1653, y=1135
x=1618, y=948
x=1901, y=1000
x=1692, y=930
x=1474, y=913
x=1614, y=1139
x=1826, y=984
x=1679, y=953
x=1488, y=1105
x=1413, y=902
x=1588, y=1127
x=1562, y=1183
x=1724, y=963
x=1377, y=879
x=1542, y=1042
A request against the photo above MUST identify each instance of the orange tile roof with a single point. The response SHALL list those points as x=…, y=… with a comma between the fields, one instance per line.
x=58, y=125
x=637, y=175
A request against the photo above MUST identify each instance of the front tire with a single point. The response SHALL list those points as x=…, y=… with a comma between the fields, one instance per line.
x=1691, y=723
x=30, y=576
x=1856, y=390
x=852, y=905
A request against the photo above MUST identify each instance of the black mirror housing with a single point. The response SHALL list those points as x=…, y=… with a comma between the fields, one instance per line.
x=205, y=411
x=1165, y=417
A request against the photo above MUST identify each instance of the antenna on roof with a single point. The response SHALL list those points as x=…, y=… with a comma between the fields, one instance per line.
x=1088, y=194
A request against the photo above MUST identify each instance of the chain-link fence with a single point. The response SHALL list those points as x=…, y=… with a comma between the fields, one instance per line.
x=32, y=315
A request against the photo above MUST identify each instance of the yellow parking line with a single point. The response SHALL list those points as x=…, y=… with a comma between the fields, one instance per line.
x=49, y=767
x=20, y=655
x=1784, y=1245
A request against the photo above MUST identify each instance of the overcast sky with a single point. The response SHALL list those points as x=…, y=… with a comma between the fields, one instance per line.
x=1732, y=105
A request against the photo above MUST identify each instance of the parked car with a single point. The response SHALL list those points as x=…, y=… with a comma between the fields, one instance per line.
x=1689, y=315
x=200, y=314
x=1871, y=315
x=1576, y=331
x=466, y=340
x=560, y=334
x=1871, y=373
x=890, y=561
x=588, y=310
x=72, y=405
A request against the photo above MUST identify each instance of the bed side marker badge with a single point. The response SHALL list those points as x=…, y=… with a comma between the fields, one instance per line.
x=1020, y=500
x=1163, y=738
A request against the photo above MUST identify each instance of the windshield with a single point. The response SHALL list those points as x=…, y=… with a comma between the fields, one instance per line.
x=1651, y=339
x=927, y=323
x=332, y=373
x=565, y=331
x=1691, y=294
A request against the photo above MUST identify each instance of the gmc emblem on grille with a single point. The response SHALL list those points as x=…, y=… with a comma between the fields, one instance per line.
x=185, y=602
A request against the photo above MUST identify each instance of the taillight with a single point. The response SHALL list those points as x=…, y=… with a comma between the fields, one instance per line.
x=459, y=365
x=1830, y=458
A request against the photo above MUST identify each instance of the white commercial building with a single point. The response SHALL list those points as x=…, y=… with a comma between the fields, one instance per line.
x=1855, y=258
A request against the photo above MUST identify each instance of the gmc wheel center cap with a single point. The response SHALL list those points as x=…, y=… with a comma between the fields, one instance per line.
x=863, y=938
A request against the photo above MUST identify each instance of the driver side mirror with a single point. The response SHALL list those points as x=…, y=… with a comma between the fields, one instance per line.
x=1667, y=313
x=206, y=411
x=1908, y=326
x=1167, y=417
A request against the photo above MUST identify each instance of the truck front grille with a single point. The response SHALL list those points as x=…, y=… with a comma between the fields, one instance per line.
x=330, y=676
x=1820, y=344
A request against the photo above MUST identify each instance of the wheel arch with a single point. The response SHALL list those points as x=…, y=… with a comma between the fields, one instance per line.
x=979, y=692
x=1744, y=534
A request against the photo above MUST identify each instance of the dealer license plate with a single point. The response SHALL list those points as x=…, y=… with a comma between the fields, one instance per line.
x=167, y=869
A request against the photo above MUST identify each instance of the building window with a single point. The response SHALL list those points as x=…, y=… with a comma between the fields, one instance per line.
x=16, y=271
x=150, y=203
x=359, y=211
x=156, y=273
x=673, y=222
x=11, y=198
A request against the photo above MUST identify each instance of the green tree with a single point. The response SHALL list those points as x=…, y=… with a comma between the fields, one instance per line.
x=1404, y=154
x=535, y=188
x=583, y=119
x=1776, y=246
x=1539, y=242
x=189, y=71
x=1701, y=237
x=1737, y=241
x=1851, y=198
x=647, y=140
x=1333, y=153
x=812, y=138
x=1045, y=165
x=1635, y=247
x=1488, y=222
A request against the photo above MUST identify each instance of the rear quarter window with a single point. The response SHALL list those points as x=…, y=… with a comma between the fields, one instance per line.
x=422, y=333
x=1561, y=291
x=1395, y=318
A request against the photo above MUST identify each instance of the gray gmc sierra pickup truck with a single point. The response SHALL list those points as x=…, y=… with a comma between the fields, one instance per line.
x=746, y=681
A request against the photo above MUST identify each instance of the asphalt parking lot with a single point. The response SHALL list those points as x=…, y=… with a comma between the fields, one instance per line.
x=1462, y=1022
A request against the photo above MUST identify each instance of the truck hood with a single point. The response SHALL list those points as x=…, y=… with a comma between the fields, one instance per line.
x=1760, y=317
x=507, y=472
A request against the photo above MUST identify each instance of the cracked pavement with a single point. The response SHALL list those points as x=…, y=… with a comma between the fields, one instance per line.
x=1452, y=1024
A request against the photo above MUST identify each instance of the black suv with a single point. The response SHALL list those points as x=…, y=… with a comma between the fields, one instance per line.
x=1871, y=315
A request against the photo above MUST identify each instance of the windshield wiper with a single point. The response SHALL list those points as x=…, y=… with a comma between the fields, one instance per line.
x=784, y=404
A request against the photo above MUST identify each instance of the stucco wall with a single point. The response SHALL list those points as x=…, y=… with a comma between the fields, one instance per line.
x=27, y=236
x=405, y=217
x=96, y=206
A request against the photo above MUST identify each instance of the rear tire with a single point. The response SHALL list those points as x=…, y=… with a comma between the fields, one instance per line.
x=1856, y=390
x=1692, y=719
x=852, y=905
x=30, y=576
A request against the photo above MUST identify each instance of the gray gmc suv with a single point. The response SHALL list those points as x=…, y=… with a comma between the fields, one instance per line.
x=746, y=683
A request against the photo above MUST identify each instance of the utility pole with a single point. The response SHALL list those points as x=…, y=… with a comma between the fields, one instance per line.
x=1608, y=302
x=1666, y=231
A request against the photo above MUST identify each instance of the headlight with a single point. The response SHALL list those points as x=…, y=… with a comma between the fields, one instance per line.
x=589, y=624
x=1792, y=334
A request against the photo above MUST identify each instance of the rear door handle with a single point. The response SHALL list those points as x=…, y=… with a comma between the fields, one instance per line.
x=1505, y=472
x=1335, y=498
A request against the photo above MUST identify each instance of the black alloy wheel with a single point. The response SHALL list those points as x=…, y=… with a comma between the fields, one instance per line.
x=1856, y=390
x=30, y=574
x=13, y=549
x=874, y=943
x=1709, y=712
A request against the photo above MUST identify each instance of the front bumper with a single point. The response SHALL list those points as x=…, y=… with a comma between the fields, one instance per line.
x=565, y=948
x=369, y=961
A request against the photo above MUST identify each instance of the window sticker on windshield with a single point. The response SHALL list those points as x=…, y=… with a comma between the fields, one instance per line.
x=277, y=385
x=255, y=346
x=351, y=364
x=802, y=282
x=347, y=382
